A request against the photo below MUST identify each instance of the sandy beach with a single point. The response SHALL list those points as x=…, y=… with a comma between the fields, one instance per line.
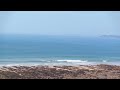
x=61, y=72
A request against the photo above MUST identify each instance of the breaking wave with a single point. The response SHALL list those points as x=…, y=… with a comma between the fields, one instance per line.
x=73, y=61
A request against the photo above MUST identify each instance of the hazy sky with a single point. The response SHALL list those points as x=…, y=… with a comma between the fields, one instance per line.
x=82, y=23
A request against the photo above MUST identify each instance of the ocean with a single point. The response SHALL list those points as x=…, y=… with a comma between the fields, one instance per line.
x=58, y=50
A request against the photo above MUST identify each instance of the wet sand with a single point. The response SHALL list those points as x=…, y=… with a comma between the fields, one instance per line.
x=61, y=72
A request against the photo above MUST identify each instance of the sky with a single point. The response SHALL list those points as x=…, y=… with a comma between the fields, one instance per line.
x=80, y=23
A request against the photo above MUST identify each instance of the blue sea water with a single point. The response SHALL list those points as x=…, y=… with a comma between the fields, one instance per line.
x=58, y=50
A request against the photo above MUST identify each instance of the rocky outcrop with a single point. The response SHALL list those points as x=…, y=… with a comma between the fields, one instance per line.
x=61, y=72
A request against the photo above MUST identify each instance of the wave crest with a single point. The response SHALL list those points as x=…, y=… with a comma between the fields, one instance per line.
x=73, y=61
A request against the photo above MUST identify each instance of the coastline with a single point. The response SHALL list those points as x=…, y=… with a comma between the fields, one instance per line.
x=100, y=71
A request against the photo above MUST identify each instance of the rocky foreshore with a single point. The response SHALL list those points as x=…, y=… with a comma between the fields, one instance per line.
x=61, y=72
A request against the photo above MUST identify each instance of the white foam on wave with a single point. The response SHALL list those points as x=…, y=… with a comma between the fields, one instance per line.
x=20, y=64
x=60, y=63
x=104, y=61
x=73, y=61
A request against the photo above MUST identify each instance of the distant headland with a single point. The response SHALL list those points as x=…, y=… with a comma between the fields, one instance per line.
x=111, y=36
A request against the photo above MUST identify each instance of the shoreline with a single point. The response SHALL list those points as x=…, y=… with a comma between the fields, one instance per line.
x=101, y=71
x=56, y=64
